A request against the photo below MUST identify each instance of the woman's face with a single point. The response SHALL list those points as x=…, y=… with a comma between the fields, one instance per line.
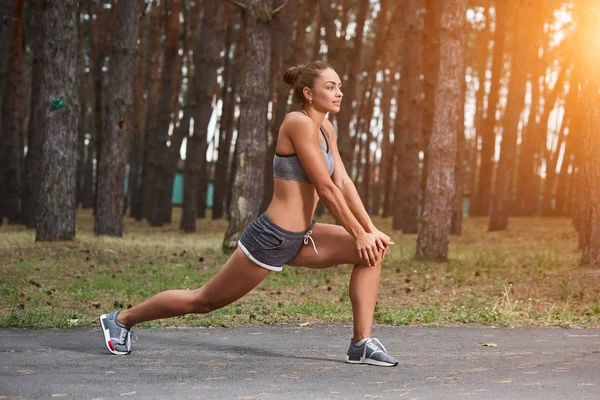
x=327, y=94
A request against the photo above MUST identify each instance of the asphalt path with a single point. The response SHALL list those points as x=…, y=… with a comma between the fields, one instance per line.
x=294, y=362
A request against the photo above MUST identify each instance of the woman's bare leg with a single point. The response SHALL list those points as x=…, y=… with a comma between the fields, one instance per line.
x=237, y=277
x=335, y=247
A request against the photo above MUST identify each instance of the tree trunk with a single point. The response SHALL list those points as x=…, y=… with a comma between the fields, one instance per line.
x=346, y=114
x=136, y=155
x=412, y=135
x=282, y=55
x=434, y=235
x=118, y=123
x=551, y=174
x=515, y=100
x=159, y=160
x=483, y=40
x=56, y=202
x=248, y=186
x=431, y=64
x=207, y=60
x=13, y=105
x=590, y=151
x=534, y=143
x=459, y=165
x=488, y=136
x=148, y=176
x=526, y=199
x=33, y=160
x=6, y=13
x=226, y=124
x=387, y=153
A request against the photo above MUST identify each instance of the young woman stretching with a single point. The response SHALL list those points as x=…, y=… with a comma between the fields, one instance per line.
x=307, y=166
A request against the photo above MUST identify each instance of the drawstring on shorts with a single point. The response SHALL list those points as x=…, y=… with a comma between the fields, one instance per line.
x=308, y=236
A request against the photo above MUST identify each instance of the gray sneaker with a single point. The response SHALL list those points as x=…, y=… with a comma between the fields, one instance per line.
x=117, y=336
x=371, y=352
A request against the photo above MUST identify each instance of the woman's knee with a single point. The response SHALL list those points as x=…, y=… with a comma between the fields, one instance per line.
x=199, y=304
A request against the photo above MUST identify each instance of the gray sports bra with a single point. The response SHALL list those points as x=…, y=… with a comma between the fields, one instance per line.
x=289, y=167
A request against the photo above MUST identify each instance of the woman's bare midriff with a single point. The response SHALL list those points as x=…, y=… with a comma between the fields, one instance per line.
x=293, y=204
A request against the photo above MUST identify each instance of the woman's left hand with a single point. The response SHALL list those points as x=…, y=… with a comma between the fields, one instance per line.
x=383, y=240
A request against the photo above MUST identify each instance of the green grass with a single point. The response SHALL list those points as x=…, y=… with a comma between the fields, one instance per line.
x=528, y=275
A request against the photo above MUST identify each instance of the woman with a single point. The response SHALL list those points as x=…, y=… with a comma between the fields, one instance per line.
x=307, y=166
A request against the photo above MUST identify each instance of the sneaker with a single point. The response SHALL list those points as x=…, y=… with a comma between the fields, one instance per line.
x=117, y=336
x=370, y=351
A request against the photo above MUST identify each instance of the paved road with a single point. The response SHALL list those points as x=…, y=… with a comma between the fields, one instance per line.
x=291, y=362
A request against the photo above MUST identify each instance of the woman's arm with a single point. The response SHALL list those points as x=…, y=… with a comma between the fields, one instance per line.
x=342, y=180
x=303, y=134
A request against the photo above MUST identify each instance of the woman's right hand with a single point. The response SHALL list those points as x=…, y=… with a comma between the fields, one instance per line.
x=366, y=246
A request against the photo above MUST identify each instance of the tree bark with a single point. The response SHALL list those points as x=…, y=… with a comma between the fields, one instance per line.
x=159, y=160
x=56, y=201
x=248, y=186
x=207, y=60
x=515, y=100
x=346, y=114
x=431, y=64
x=33, y=160
x=548, y=208
x=282, y=55
x=590, y=100
x=482, y=45
x=411, y=140
x=459, y=165
x=434, y=234
x=118, y=123
x=13, y=105
x=136, y=156
x=6, y=13
x=226, y=124
x=148, y=178
x=488, y=137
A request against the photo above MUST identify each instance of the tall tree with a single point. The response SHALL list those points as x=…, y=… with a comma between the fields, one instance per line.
x=282, y=55
x=481, y=59
x=160, y=198
x=515, y=100
x=431, y=63
x=226, y=123
x=56, y=201
x=6, y=12
x=11, y=136
x=345, y=116
x=488, y=136
x=589, y=48
x=33, y=160
x=408, y=212
x=433, y=238
x=248, y=186
x=136, y=155
x=207, y=61
x=118, y=123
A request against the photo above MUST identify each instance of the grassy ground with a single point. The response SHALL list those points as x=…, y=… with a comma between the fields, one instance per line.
x=528, y=275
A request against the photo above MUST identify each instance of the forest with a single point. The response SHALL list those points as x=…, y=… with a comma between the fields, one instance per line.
x=451, y=108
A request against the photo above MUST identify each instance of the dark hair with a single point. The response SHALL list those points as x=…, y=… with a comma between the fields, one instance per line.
x=303, y=75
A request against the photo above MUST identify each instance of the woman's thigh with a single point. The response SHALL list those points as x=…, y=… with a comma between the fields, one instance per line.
x=334, y=244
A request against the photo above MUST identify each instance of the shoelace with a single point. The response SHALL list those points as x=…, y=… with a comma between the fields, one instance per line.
x=308, y=236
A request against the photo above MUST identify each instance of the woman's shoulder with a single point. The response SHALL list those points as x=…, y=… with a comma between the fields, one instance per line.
x=296, y=122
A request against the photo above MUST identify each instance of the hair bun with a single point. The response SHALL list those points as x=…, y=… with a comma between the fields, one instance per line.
x=291, y=75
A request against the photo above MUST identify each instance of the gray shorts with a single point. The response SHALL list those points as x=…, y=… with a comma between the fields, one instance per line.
x=271, y=246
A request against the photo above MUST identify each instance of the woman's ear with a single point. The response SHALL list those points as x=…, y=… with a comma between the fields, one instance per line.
x=307, y=94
